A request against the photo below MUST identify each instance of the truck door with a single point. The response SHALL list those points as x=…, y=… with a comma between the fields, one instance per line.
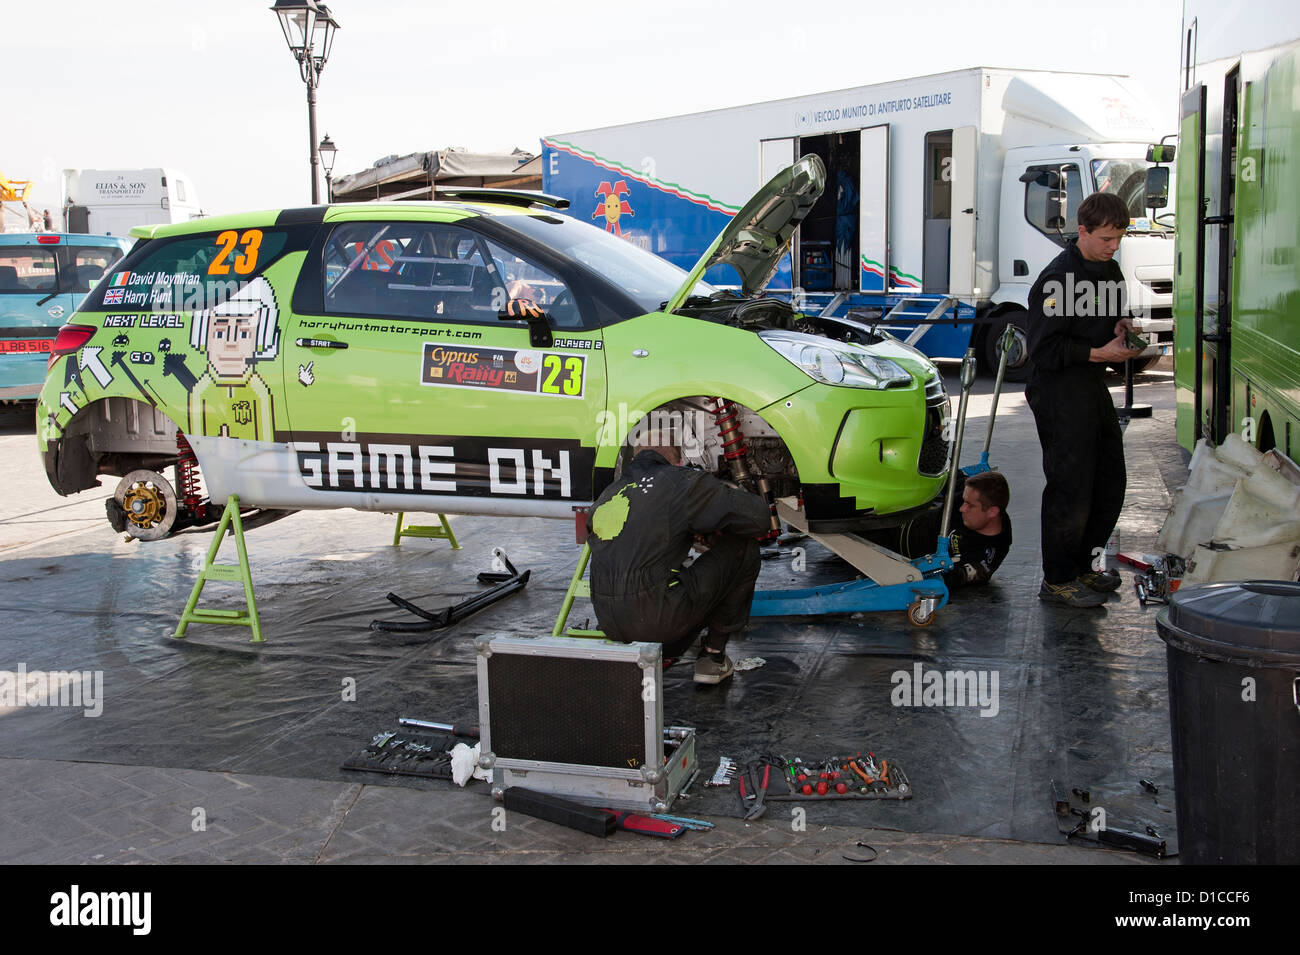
x=961, y=243
x=773, y=156
x=873, y=209
x=1216, y=331
x=1189, y=268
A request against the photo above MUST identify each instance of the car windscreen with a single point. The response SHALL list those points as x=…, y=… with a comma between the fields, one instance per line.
x=1126, y=178
x=644, y=277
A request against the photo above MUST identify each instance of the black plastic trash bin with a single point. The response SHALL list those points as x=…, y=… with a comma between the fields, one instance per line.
x=1233, y=651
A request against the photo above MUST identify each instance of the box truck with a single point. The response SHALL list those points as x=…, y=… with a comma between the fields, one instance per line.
x=1237, y=283
x=112, y=201
x=946, y=195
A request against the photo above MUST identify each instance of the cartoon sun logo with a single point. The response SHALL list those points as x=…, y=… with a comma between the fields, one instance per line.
x=613, y=205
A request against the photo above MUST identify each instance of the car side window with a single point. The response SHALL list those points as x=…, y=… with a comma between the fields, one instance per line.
x=89, y=263
x=420, y=270
x=527, y=281
x=185, y=272
x=434, y=272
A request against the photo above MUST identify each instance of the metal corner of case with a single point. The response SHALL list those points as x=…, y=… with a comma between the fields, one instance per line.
x=648, y=654
x=483, y=644
x=487, y=760
x=651, y=774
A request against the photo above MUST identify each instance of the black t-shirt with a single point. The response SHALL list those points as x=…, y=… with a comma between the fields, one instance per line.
x=1073, y=308
x=978, y=555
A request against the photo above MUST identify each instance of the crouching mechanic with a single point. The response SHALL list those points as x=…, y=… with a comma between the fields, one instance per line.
x=640, y=531
x=982, y=530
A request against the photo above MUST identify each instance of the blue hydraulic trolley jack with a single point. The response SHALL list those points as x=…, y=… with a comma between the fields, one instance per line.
x=890, y=581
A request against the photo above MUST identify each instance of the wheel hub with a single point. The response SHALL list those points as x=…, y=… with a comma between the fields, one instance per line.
x=144, y=504
x=148, y=503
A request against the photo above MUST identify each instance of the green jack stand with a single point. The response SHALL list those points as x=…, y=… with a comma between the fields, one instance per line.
x=577, y=588
x=230, y=573
x=424, y=530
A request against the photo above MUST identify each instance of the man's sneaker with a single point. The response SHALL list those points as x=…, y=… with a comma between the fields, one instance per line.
x=1073, y=594
x=1104, y=582
x=709, y=671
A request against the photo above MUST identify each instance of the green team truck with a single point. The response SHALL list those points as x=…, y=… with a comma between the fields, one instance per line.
x=1237, y=269
x=482, y=355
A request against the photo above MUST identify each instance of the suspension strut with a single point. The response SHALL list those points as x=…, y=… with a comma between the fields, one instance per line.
x=735, y=452
x=189, y=487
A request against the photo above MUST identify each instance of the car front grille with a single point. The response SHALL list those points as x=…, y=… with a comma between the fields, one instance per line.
x=934, y=446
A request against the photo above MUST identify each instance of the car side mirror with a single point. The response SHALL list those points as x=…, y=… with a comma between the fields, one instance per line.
x=1157, y=196
x=539, y=323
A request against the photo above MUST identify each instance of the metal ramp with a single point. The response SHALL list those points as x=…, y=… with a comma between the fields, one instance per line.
x=890, y=581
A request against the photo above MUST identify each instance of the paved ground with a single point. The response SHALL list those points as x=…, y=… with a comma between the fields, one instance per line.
x=86, y=811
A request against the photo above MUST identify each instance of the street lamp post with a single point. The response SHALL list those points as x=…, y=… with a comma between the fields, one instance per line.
x=327, y=149
x=309, y=30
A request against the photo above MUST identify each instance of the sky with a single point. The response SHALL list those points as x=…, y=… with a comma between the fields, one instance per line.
x=211, y=89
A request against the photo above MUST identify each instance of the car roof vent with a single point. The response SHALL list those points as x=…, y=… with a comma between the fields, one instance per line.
x=513, y=197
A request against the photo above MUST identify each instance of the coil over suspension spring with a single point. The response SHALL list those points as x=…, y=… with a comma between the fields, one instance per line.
x=189, y=487
x=733, y=439
x=735, y=452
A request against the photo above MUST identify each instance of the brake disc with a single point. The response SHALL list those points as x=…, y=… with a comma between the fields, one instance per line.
x=149, y=502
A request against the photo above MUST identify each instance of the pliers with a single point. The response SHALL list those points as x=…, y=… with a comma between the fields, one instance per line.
x=757, y=807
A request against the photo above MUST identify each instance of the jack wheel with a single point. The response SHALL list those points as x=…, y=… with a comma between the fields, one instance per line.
x=919, y=615
x=149, y=503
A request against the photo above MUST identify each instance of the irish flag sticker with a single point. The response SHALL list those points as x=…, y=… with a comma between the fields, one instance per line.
x=121, y=278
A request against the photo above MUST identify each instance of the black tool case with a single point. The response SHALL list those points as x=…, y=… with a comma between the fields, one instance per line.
x=581, y=719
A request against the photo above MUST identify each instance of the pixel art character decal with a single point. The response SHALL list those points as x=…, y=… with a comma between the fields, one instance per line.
x=230, y=399
x=613, y=206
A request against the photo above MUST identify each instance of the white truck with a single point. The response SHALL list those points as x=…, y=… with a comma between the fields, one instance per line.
x=112, y=201
x=946, y=194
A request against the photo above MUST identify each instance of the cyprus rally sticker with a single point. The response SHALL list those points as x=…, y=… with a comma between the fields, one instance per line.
x=503, y=369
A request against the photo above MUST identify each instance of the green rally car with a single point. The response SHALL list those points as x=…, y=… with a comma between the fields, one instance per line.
x=480, y=355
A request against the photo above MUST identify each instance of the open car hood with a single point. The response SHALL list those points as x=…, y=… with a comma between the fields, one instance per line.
x=754, y=241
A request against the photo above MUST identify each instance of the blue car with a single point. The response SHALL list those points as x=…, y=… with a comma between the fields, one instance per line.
x=43, y=278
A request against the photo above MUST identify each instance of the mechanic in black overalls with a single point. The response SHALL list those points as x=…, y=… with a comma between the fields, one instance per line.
x=1076, y=328
x=641, y=529
x=981, y=530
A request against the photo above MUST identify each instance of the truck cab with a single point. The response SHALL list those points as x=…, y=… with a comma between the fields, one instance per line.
x=1042, y=188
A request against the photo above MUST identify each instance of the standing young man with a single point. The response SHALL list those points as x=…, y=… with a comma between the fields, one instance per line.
x=1077, y=326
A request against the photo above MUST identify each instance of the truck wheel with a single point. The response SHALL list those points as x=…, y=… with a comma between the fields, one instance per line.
x=1018, y=360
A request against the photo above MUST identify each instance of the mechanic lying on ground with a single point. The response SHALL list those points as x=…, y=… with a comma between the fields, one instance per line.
x=640, y=531
x=982, y=535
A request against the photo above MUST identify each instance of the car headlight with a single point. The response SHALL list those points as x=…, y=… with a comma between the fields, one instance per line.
x=822, y=361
